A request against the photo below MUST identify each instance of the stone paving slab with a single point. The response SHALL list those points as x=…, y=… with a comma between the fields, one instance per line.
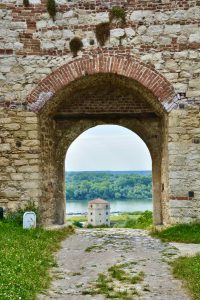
x=187, y=249
x=78, y=268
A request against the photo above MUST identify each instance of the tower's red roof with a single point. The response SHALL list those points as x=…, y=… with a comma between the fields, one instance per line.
x=99, y=201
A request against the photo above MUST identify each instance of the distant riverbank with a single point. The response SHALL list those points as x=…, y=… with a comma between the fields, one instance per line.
x=79, y=207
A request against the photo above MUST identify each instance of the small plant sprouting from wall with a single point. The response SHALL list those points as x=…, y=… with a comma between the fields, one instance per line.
x=75, y=45
x=117, y=13
x=51, y=8
x=102, y=33
x=26, y=3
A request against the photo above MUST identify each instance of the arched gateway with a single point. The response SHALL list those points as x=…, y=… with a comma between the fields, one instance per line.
x=88, y=91
x=100, y=90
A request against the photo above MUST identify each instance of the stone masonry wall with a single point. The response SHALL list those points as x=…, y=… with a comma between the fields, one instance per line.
x=184, y=165
x=19, y=158
x=163, y=34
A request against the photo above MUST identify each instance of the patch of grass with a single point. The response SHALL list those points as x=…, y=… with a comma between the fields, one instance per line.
x=137, y=278
x=93, y=247
x=78, y=224
x=113, y=218
x=76, y=274
x=81, y=218
x=188, y=270
x=26, y=256
x=16, y=217
x=184, y=233
x=144, y=221
x=146, y=288
x=117, y=13
x=123, y=217
x=133, y=213
x=104, y=286
x=118, y=273
x=184, y=268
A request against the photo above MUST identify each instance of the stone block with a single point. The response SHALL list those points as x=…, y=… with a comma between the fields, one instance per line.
x=9, y=193
x=194, y=38
x=27, y=169
x=20, y=162
x=5, y=147
x=12, y=126
x=4, y=161
x=118, y=32
x=16, y=176
x=155, y=30
x=140, y=15
x=30, y=184
x=181, y=203
x=41, y=24
x=195, y=83
x=33, y=134
x=193, y=94
x=68, y=34
x=32, y=120
x=130, y=32
x=30, y=143
x=172, y=29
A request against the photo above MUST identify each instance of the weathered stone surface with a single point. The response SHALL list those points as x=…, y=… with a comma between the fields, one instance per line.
x=131, y=248
x=159, y=37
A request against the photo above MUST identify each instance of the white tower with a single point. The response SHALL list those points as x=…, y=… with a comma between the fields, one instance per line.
x=99, y=212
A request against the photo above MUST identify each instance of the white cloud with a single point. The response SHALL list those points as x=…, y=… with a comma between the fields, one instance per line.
x=108, y=147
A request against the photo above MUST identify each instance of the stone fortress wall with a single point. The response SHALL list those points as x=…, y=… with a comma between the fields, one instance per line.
x=163, y=35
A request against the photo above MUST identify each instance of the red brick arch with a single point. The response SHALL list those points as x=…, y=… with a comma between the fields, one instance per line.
x=102, y=63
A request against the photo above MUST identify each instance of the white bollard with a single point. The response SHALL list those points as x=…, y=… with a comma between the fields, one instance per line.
x=29, y=220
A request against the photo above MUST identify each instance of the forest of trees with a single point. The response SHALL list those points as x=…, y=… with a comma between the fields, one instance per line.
x=109, y=185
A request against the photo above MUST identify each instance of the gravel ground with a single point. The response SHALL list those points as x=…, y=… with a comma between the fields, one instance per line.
x=92, y=251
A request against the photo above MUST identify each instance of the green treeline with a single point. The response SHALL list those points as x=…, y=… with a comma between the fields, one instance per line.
x=109, y=185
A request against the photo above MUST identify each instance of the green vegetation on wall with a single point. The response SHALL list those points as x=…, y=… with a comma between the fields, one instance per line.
x=75, y=45
x=102, y=33
x=117, y=13
x=51, y=8
x=26, y=2
x=108, y=185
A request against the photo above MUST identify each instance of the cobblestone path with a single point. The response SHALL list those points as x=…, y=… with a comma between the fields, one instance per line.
x=142, y=260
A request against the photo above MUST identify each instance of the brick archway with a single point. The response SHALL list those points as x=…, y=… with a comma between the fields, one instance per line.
x=111, y=89
x=129, y=67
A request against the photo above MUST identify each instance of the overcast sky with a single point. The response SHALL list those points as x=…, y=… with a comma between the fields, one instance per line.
x=108, y=147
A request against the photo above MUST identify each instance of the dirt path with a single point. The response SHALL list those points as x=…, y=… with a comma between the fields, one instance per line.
x=141, y=260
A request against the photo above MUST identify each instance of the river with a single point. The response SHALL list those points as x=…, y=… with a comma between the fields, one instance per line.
x=130, y=205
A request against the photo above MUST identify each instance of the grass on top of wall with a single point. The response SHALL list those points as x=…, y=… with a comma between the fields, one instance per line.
x=183, y=233
x=26, y=256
